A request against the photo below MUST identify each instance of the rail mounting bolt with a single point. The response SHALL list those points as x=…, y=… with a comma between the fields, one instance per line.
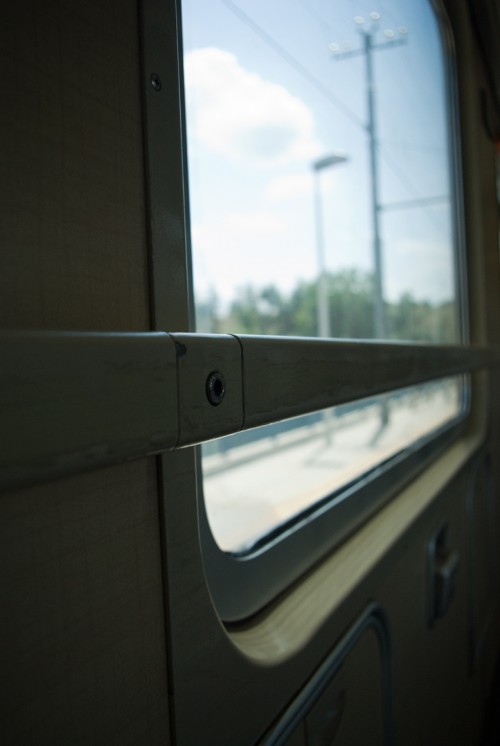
x=156, y=82
x=215, y=388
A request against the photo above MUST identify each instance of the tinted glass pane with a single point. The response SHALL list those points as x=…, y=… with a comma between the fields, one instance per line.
x=320, y=200
x=261, y=478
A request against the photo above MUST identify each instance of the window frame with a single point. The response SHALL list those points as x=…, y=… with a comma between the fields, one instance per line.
x=240, y=586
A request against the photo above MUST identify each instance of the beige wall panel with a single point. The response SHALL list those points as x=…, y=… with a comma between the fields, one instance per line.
x=81, y=622
x=481, y=200
x=431, y=664
x=72, y=227
x=82, y=632
x=280, y=649
x=351, y=709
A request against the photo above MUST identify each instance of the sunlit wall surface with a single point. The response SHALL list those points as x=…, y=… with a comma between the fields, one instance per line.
x=320, y=202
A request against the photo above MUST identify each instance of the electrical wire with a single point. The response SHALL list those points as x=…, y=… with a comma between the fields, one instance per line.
x=410, y=187
x=312, y=80
x=298, y=67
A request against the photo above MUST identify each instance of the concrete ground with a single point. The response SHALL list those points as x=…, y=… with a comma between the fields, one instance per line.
x=253, y=488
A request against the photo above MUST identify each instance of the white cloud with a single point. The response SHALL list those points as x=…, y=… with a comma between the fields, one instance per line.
x=284, y=188
x=300, y=185
x=243, y=116
x=240, y=248
x=237, y=227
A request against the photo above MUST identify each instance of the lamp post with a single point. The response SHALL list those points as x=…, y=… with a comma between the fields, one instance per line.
x=323, y=310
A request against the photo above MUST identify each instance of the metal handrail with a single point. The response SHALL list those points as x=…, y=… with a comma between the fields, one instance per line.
x=72, y=401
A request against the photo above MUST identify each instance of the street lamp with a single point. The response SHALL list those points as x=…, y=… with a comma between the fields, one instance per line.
x=323, y=307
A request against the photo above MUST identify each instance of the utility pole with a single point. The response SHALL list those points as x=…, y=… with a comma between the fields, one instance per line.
x=380, y=325
x=340, y=52
x=393, y=39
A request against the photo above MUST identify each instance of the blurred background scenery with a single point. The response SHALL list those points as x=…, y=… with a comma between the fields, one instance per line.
x=321, y=205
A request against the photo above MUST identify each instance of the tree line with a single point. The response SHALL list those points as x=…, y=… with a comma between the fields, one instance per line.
x=269, y=310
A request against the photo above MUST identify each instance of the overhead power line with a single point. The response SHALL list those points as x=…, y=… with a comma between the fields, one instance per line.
x=404, y=204
x=298, y=66
x=390, y=143
x=411, y=189
x=418, y=200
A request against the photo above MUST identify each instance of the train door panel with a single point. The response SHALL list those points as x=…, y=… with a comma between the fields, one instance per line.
x=350, y=694
x=273, y=654
x=112, y=629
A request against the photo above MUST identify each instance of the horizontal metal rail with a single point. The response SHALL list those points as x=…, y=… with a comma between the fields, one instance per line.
x=76, y=401
x=71, y=402
x=305, y=375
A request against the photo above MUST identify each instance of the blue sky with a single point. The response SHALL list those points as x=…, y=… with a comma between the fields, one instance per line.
x=256, y=123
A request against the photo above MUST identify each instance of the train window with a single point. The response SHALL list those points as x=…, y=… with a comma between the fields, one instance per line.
x=320, y=162
x=260, y=479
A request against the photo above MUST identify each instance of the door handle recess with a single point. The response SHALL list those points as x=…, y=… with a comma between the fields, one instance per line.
x=442, y=569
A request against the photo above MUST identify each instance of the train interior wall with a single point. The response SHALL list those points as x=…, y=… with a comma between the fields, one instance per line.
x=108, y=633
x=82, y=620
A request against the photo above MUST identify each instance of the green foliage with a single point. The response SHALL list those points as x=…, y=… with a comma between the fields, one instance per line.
x=421, y=321
x=351, y=308
x=207, y=315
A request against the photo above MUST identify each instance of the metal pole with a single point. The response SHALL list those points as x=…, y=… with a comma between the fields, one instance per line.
x=323, y=311
x=323, y=306
x=323, y=314
x=380, y=328
x=380, y=320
